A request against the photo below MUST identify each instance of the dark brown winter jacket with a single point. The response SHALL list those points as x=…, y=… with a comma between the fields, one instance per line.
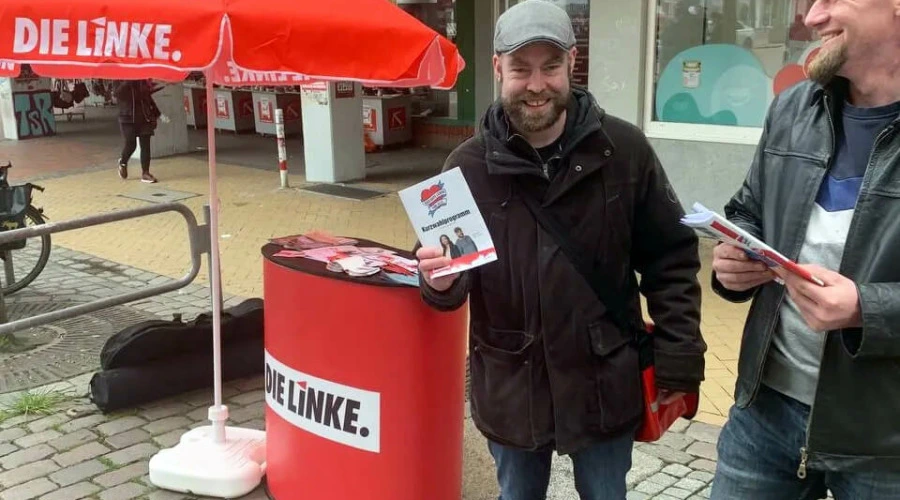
x=548, y=366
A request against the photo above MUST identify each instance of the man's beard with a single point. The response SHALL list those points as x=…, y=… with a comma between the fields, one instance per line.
x=528, y=121
x=828, y=62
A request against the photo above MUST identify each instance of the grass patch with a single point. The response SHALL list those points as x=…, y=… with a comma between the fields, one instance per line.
x=33, y=403
x=109, y=464
x=7, y=343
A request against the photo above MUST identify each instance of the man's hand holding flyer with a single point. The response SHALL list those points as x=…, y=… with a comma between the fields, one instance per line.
x=444, y=215
x=717, y=227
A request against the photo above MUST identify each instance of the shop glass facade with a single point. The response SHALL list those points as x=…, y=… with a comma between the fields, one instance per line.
x=717, y=64
x=439, y=15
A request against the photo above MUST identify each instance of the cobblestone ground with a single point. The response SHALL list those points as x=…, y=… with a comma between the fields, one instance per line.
x=679, y=466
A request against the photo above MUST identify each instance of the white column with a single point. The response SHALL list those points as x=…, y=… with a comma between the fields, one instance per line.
x=333, y=132
x=8, y=129
x=617, y=42
x=26, y=109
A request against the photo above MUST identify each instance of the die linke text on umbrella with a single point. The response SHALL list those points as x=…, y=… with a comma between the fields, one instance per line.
x=94, y=38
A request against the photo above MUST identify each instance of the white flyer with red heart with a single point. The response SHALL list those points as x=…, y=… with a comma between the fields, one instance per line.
x=444, y=215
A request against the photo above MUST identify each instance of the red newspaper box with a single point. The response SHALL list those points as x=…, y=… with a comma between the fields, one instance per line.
x=365, y=386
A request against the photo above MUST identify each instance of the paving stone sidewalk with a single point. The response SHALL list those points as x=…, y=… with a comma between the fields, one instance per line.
x=66, y=456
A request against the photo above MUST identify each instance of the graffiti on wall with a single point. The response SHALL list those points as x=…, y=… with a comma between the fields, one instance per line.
x=34, y=114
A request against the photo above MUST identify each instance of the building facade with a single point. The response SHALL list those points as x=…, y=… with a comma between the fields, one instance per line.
x=697, y=76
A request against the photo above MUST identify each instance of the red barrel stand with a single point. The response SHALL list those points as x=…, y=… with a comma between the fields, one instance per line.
x=335, y=344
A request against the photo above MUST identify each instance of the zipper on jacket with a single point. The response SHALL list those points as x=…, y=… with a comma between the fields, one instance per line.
x=804, y=451
x=545, y=165
x=801, y=471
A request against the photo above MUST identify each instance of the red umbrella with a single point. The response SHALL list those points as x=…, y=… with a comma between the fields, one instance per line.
x=233, y=42
x=370, y=41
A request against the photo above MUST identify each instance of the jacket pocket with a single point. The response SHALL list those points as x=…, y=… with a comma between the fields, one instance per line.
x=501, y=386
x=617, y=376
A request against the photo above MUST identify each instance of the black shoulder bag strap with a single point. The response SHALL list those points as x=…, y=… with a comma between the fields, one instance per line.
x=592, y=273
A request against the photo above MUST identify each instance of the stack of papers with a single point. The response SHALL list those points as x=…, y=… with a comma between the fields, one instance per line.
x=719, y=228
x=314, y=239
x=344, y=257
x=354, y=266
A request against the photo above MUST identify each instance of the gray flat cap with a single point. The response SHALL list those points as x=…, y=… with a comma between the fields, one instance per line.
x=533, y=21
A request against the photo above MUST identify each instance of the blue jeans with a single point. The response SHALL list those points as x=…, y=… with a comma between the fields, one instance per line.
x=599, y=470
x=759, y=454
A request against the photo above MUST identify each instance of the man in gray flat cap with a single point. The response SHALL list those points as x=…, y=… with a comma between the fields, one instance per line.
x=554, y=360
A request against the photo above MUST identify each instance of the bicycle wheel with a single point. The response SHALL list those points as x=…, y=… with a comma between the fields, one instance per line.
x=22, y=266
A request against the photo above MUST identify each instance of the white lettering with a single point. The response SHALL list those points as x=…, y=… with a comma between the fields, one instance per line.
x=83, y=50
x=233, y=73
x=137, y=46
x=45, y=37
x=162, y=42
x=116, y=39
x=98, y=36
x=60, y=37
x=26, y=37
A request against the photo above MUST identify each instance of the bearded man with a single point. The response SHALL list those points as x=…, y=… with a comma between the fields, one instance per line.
x=818, y=389
x=553, y=366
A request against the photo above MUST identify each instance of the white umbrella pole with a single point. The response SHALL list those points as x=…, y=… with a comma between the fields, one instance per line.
x=217, y=413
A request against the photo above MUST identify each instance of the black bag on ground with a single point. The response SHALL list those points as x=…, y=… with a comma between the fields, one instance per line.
x=154, y=340
x=156, y=359
x=129, y=386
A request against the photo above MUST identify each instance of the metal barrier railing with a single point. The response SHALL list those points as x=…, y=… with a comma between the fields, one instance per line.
x=199, y=244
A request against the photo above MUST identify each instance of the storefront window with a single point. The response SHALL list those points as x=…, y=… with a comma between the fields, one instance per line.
x=439, y=15
x=721, y=62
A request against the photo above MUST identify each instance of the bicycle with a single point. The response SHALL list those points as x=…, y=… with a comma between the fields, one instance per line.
x=16, y=211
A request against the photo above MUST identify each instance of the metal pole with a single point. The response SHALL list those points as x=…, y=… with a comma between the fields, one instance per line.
x=282, y=150
x=198, y=236
x=218, y=413
x=209, y=260
x=3, y=317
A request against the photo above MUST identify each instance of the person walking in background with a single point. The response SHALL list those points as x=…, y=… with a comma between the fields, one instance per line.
x=138, y=116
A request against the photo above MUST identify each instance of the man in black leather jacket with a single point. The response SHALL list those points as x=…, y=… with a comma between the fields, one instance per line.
x=818, y=392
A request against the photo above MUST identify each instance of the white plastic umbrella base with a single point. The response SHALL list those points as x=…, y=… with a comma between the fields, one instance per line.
x=198, y=465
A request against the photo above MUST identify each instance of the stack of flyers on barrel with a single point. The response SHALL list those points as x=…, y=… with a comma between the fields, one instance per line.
x=444, y=215
x=717, y=227
x=357, y=261
x=312, y=239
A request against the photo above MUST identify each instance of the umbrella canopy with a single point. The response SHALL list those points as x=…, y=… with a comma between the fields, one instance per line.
x=369, y=41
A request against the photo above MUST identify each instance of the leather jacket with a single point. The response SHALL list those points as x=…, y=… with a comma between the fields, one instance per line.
x=853, y=421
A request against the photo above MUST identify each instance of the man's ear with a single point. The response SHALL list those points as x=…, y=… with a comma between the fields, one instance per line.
x=573, y=52
x=497, y=63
